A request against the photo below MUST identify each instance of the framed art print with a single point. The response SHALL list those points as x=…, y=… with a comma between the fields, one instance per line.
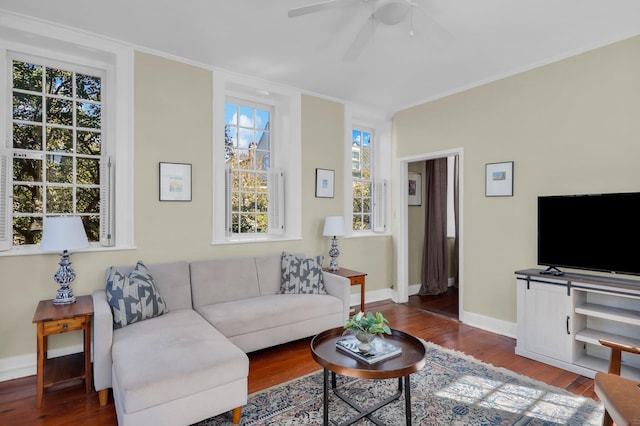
x=324, y=183
x=175, y=182
x=499, y=179
x=414, y=181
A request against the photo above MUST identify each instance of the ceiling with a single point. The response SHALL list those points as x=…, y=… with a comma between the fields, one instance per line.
x=457, y=44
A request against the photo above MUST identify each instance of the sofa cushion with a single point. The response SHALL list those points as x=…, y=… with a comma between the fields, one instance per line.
x=222, y=280
x=269, y=273
x=266, y=312
x=302, y=276
x=133, y=297
x=170, y=357
x=171, y=279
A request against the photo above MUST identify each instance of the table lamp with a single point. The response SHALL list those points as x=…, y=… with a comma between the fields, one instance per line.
x=62, y=234
x=333, y=227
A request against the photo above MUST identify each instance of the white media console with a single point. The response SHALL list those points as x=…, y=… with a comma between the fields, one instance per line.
x=561, y=319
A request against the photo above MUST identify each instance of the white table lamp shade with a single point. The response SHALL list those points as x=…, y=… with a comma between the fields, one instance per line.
x=333, y=226
x=63, y=233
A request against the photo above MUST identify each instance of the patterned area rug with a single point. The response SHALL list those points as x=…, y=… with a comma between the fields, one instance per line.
x=452, y=389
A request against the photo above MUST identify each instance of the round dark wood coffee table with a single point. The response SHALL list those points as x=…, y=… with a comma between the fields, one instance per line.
x=412, y=359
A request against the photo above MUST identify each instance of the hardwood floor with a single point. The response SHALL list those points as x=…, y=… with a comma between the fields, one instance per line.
x=269, y=367
x=443, y=304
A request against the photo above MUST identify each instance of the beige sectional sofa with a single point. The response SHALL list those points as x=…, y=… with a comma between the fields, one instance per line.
x=190, y=363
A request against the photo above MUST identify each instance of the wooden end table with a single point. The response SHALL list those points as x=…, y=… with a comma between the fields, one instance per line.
x=55, y=319
x=412, y=359
x=356, y=278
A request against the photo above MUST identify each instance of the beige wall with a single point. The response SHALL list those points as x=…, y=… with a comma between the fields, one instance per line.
x=173, y=107
x=570, y=127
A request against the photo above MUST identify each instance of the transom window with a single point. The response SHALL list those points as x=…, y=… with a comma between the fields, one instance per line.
x=56, y=122
x=361, y=173
x=247, y=154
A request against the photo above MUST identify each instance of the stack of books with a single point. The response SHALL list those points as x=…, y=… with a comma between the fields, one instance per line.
x=380, y=349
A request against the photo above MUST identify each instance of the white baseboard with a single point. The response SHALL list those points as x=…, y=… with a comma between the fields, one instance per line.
x=372, y=296
x=17, y=366
x=504, y=328
x=25, y=365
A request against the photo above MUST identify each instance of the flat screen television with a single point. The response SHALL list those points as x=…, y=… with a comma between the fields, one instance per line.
x=597, y=232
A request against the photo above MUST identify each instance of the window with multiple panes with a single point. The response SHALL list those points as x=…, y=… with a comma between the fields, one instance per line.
x=362, y=178
x=251, y=182
x=256, y=162
x=57, y=154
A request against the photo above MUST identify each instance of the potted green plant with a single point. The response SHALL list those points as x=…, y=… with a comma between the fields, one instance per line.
x=365, y=327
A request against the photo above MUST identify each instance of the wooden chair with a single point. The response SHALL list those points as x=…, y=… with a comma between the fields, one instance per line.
x=620, y=396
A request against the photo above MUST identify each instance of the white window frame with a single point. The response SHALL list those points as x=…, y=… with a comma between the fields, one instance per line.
x=372, y=172
x=33, y=38
x=273, y=177
x=285, y=153
x=46, y=63
x=379, y=124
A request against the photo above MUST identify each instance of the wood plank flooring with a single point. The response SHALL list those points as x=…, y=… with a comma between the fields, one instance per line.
x=269, y=367
x=445, y=304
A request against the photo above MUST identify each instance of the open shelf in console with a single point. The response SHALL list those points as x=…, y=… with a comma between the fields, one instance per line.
x=600, y=364
x=626, y=316
x=606, y=315
x=593, y=336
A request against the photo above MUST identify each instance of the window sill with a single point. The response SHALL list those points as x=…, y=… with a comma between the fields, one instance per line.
x=255, y=240
x=368, y=234
x=34, y=251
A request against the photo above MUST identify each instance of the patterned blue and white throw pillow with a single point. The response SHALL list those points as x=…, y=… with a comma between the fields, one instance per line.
x=301, y=276
x=133, y=298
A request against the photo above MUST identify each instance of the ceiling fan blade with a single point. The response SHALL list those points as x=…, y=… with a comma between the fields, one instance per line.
x=312, y=8
x=428, y=6
x=361, y=40
x=431, y=25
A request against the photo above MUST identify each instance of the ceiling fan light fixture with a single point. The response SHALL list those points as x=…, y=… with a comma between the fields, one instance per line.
x=392, y=12
x=411, y=33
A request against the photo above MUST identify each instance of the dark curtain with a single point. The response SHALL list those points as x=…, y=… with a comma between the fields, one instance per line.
x=435, y=253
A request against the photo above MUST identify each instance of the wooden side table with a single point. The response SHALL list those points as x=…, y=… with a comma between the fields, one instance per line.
x=356, y=278
x=55, y=319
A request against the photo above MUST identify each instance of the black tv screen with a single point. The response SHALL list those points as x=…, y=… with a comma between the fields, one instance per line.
x=598, y=232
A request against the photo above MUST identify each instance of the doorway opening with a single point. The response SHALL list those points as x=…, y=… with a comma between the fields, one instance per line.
x=448, y=299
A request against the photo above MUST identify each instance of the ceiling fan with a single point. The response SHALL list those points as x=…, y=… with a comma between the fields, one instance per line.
x=387, y=12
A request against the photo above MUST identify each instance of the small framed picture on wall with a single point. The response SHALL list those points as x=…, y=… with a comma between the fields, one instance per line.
x=175, y=182
x=499, y=179
x=324, y=183
x=415, y=189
